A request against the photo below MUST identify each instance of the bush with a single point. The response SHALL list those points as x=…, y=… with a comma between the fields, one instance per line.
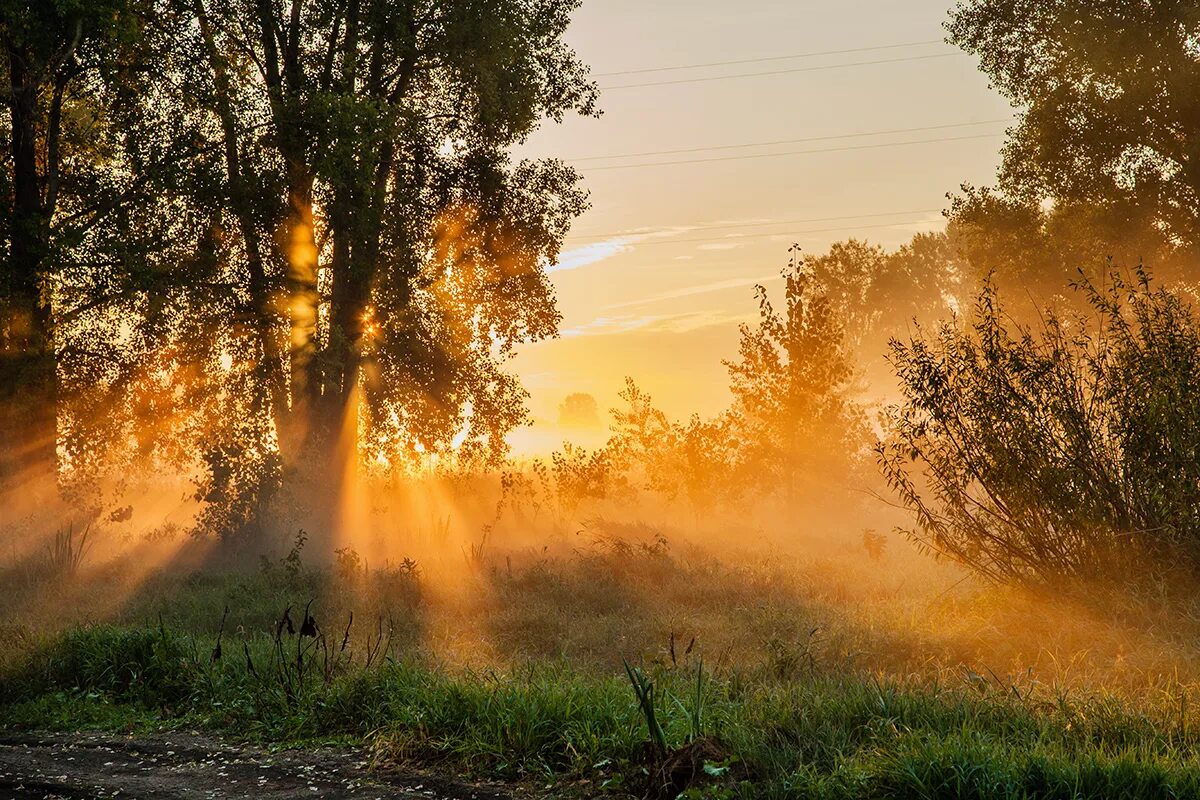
x=1061, y=450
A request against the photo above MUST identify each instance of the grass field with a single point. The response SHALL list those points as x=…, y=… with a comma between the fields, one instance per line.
x=768, y=673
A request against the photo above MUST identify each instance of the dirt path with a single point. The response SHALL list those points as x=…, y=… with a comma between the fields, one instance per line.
x=189, y=767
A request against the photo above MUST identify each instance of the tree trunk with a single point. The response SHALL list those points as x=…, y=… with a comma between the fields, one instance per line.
x=284, y=77
x=28, y=379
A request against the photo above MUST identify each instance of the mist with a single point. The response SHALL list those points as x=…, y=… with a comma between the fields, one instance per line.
x=349, y=405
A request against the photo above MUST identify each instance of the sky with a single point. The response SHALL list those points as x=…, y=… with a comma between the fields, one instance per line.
x=656, y=276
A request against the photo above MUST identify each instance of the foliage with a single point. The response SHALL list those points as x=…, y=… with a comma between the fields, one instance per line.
x=794, y=427
x=694, y=461
x=268, y=218
x=876, y=293
x=1099, y=162
x=793, y=411
x=1061, y=451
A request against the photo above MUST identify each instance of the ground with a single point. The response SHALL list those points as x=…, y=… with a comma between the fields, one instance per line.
x=183, y=766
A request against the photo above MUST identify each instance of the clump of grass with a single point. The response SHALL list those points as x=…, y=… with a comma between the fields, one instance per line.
x=65, y=554
x=643, y=688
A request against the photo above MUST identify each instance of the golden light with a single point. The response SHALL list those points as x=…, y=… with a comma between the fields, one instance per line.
x=370, y=326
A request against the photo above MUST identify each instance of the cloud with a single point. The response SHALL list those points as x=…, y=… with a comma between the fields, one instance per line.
x=720, y=246
x=653, y=323
x=595, y=252
x=703, y=288
x=590, y=253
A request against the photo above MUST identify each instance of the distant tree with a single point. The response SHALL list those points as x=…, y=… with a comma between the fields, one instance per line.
x=1102, y=160
x=793, y=386
x=920, y=280
x=846, y=276
x=579, y=410
x=876, y=293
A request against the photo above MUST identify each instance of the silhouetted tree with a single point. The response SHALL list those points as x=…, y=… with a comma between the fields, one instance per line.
x=579, y=410
x=1065, y=449
x=1102, y=160
x=57, y=55
x=288, y=212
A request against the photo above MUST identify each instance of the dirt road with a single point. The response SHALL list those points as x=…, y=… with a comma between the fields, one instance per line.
x=183, y=766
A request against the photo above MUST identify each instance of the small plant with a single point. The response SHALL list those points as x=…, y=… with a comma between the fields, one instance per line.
x=475, y=554
x=874, y=543
x=65, y=555
x=349, y=564
x=695, y=714
x=292, y=564
x=643, y=688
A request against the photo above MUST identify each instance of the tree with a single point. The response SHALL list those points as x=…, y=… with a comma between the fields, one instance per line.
x=697, y=461
x=55, y=55
x=792, y=388
x=414, y=248
x=579, y=410
x=1103, y=158
x=278, y=216
x=876, y=293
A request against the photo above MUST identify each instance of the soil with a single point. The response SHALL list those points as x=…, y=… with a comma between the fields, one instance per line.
x=189, y=766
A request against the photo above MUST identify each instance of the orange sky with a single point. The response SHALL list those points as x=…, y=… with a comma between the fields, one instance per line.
x=659, y=272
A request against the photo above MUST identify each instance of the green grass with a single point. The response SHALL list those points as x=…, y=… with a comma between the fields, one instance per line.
x=821, y=736
x=829, y=676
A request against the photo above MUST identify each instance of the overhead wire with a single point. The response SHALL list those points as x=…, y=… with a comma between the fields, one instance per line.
x=858, y=135
x=811, y=54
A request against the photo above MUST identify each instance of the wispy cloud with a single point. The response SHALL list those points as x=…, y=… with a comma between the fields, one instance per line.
x=590, y=254
x=596, y=252
x=703, y=288
x=652, y=323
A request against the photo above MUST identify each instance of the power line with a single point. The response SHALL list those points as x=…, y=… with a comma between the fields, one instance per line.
x=729, y=239
x=795, y=141
x=796, y=152
x=690, y=228
x=771, y=58
x=777, y=72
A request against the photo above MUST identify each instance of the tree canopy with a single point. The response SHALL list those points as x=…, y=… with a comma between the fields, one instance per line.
x=253, y=227
x=1103, y=159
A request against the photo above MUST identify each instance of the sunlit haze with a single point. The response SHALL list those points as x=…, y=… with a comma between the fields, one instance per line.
x=656, y=276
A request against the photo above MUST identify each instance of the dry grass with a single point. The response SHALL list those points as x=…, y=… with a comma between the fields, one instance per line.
x=613, y=591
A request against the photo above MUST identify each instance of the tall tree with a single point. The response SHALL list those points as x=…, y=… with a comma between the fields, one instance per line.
x=415, y=247
x=55, y=51
x=354, y=237
x=1105, y=154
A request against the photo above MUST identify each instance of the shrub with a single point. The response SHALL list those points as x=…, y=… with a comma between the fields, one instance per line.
x=1059, y=450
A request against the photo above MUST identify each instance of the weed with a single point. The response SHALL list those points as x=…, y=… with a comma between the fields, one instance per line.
x=65, y=554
